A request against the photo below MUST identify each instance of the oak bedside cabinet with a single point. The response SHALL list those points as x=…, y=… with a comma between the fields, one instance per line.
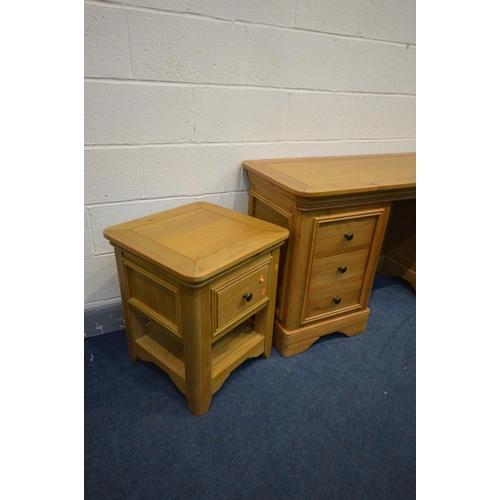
x=336, y=209
x=198, y=287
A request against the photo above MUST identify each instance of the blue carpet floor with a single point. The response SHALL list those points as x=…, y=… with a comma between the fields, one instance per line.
x=335, y=422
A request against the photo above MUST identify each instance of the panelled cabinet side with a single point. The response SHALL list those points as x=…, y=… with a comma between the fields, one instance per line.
x=280, y=212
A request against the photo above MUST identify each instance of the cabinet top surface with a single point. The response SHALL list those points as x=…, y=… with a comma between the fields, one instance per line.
x=338, y=175
x=197, y=241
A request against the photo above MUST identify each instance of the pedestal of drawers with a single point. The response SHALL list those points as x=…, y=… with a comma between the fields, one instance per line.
x=330, y=271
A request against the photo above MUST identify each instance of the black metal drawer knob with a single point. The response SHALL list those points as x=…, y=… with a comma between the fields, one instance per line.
x=342, y=269
x=348, y=236
x=337, y=300
x=248, y=296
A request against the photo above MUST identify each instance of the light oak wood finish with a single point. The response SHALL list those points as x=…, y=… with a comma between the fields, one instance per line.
x=399, y=255
x=326, y=276
x=198, y=286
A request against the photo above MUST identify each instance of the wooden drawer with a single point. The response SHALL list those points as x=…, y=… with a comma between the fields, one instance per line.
x=327, y=271
x=239, y=296
x=321, y=302
x=335, y=236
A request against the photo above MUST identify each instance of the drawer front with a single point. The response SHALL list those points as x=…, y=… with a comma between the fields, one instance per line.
x=239, y=296
x=322, y=302
x=338, y=269
x=339, y=236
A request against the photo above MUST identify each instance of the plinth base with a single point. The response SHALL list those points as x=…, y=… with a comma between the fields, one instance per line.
x=291, y=342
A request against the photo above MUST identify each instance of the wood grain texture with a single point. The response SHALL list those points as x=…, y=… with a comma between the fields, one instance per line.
x=320, y=200
x=197, y=327
x=338, y=175
x=151, y=295
x=166, y=352
x=292, y=342
x=136, y=327
x=230, y=304
x=232, y=349
x=326, y=271
x=321, y=303
x=399, y=250
x=330, y=237
x=279, y=216
x=197, y=241
x=264, y=319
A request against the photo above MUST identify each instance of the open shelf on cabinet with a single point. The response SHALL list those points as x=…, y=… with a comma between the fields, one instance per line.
x=228, y=352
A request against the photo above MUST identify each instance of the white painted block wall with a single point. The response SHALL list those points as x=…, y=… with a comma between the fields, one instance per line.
x=179, y=92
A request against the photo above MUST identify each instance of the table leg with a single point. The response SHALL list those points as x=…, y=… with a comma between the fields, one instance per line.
x=135, y=324
x=264, y=319
x=197, y=348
